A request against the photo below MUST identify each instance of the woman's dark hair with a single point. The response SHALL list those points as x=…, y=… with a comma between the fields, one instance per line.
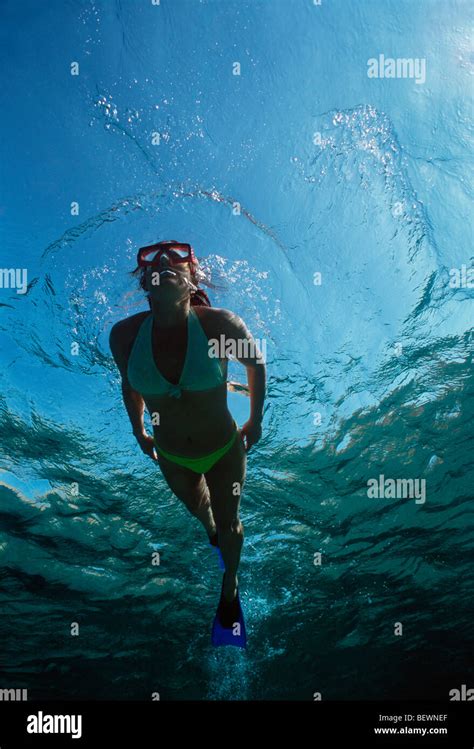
x=198, y=297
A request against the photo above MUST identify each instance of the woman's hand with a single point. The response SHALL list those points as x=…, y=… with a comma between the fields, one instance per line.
x=252, y=431
x=147, y=445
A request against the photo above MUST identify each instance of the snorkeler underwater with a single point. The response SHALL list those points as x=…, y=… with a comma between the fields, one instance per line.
x=237, y=305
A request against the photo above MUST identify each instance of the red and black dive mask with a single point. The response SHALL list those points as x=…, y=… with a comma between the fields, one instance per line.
x=177, y=252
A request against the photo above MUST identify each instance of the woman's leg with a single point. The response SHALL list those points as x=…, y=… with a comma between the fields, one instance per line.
x=191, y=489
x=225, y=481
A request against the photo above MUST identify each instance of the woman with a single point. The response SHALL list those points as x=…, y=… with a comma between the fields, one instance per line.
x=167, y=365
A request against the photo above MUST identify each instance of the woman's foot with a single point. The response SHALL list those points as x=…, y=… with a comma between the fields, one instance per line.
x=213, y=539
x=228, y=611
x=229, y=587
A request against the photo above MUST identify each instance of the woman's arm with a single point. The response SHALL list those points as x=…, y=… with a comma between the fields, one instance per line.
x=120, y=347
x=135, y=406
x=243, y=347
x=256, y=375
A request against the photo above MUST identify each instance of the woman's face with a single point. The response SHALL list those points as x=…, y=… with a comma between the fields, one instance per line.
x=168, y=279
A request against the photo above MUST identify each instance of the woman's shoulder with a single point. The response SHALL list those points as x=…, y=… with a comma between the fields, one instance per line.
x=218, y=321
x=212, y=318
x=126, y=330
x=213, y=313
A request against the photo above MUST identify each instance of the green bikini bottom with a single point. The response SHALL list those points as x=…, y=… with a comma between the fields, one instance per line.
x=204, y=463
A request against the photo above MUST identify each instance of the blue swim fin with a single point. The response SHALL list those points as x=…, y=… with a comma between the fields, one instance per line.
x=229, y=626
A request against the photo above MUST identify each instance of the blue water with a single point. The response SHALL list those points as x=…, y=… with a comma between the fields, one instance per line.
x=366, y=181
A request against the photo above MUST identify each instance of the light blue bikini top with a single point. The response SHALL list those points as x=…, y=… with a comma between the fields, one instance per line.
x=200, y=371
